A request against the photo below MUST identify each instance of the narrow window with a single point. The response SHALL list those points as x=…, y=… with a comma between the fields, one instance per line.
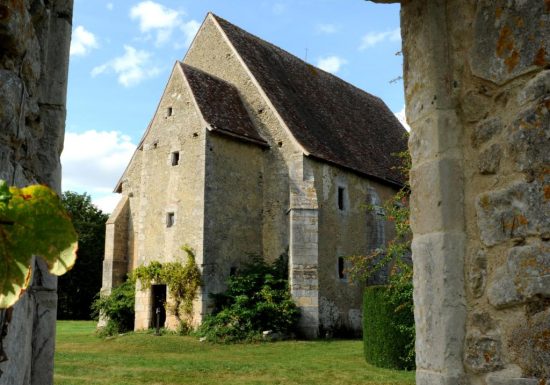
x=232, y=271
x=341, y=272
x=155, y=144
x=169, y=219
x=341, y=191
x=169, y=111
x=175, y=158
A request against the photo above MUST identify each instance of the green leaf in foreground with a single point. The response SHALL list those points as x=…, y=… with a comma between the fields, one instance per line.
x=32, y=222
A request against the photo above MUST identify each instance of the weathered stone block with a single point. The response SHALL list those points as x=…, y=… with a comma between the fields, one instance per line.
x=482, y=353
x=434, y=193
x=530, y=344
x=485, y=130
x=529, y=138
x=537, y=87
x=482, y=321
x=489, y=159
x=475, y=105
x=435, y=135
x=477, y=274
x=501, y=52
x=519, y=210
x=439, y=312
x=525, y=276
x=14, y=27
x=11, y=89
x=502, y=291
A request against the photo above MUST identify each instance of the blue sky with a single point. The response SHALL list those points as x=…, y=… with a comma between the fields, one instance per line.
x=122, y=52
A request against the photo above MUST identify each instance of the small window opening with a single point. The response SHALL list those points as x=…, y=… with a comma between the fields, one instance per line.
x=170, y=219
x=280, y=144
x=232, y=271
x=341, y=191
x=175, y=158
x=169, y=111
x=341, y=268
x=155, y=144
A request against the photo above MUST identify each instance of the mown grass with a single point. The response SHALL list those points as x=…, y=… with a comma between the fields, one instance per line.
x=141, y=358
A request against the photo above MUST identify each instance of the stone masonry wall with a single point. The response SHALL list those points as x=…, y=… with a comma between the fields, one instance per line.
x=34, y=54
x=477, y=85
x=233, y=208
x=355, y=230
x=288, y=195
x=166, y=188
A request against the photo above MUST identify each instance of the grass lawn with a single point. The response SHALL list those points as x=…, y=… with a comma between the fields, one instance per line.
x=140, y=358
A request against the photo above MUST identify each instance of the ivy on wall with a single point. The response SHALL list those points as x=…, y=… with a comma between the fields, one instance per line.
x=182, y=281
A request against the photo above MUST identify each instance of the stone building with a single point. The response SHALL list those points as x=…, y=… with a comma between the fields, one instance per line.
x=252, y=151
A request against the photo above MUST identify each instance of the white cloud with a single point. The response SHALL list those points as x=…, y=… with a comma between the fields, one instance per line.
x=331, y=64
x=402, y=118
x=156, y=18
x=110, y=6
x=163, y=21
x=190, y=29
x=107, y=202
x=82, y=41
x=131, y=68
x=93, y=162
x=326, y=29
x=373, y=38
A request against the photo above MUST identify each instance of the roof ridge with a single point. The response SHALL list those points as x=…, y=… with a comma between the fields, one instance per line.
x=287, y=53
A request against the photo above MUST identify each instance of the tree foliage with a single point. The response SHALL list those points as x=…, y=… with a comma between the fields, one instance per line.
x=78, y=288
x=32, y=222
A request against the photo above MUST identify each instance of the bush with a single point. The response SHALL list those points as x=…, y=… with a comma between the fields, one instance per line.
x=118, y=308
x=257, y=299
x=387, y=338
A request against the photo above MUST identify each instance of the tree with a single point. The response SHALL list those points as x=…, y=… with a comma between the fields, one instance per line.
x=78, y=288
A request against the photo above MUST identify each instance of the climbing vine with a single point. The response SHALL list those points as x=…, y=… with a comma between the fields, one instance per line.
x=32, y=222
x=182, y=280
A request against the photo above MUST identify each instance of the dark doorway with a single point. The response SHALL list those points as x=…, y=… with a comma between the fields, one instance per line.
x=159, y=301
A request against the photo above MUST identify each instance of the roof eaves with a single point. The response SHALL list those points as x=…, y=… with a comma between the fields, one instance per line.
x=385, y=180
x=225, y=132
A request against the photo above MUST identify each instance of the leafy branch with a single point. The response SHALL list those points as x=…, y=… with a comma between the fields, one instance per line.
x=32, y=222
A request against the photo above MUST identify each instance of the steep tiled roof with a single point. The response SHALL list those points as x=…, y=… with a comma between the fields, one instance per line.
x=221, y=106
x=331, y=119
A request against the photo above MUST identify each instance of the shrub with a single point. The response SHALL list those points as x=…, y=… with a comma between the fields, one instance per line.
x=386, y=328
x=257, y=299
x=379, y=340
x=118, y=308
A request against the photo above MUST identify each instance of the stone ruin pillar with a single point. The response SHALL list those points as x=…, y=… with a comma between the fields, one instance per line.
x=477, y=86
x=34, y=54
